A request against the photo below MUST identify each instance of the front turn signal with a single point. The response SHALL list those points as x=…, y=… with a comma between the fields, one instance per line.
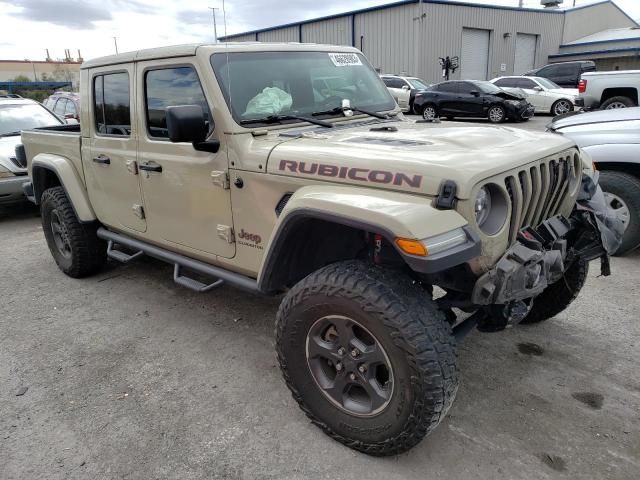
x=412, y=247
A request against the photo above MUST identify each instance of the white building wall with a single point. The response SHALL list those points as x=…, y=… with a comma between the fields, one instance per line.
x=287, y=34
x=586, y=21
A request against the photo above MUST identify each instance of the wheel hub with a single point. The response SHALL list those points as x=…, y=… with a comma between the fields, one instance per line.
x=349, y=365
x=60, y=235
x=619, y=206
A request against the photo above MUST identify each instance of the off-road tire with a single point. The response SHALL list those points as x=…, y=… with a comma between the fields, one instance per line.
x=408, y=325
x=609, y=103
x=626, y=187
x=87, y=253
x=558, y=296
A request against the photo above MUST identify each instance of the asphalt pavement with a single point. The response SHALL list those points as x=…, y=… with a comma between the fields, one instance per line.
x=127, y=375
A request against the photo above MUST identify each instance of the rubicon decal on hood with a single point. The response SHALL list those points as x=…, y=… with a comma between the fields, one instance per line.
x=352, y=173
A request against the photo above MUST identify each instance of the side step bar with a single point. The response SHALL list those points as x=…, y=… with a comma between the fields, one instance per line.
x=179, y=261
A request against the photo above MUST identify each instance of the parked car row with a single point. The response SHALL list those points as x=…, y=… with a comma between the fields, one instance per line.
x=17, y=114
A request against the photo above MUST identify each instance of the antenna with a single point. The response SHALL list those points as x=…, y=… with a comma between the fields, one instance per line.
x=215, y=28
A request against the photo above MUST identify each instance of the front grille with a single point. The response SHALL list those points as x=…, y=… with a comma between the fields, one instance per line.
x=537, y=193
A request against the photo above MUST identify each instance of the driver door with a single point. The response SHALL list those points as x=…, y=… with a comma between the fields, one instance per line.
x=536, y=95
x=186, y=192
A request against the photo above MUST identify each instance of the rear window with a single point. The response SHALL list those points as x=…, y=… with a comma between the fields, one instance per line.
x=112, y=109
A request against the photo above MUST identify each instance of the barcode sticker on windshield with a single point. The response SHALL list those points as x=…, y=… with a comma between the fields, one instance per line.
x=345, y=59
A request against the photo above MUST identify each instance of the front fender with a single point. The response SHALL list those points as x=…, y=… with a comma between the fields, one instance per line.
x=69, y=179
x=390, y=214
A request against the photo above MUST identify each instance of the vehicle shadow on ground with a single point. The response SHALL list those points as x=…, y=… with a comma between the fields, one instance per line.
x=18, y=211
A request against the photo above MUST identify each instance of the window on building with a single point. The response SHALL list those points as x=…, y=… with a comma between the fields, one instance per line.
x=168, y=87
x=112, y=108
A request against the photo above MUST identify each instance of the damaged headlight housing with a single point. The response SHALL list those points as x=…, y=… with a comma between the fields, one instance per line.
x=482, y=206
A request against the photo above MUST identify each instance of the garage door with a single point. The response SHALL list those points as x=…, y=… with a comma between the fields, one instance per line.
x=474, y=62
x=525, y=53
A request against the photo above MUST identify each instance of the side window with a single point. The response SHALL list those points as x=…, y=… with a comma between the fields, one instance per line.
x=449, y=87
x=70, y=108
x=507, y=82
x=60, y=106
x=566, y=70
x=168, y=87
x=388, y=82
x=466, y=87
x=548, y=70
x=526, y=83
x=111, y=104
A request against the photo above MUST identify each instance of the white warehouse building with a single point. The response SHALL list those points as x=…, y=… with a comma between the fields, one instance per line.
x=410, y=36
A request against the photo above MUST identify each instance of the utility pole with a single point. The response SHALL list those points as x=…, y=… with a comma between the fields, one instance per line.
x=115, y=42
x=215, y=28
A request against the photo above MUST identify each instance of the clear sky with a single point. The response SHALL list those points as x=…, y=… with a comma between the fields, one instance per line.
x=28, y=27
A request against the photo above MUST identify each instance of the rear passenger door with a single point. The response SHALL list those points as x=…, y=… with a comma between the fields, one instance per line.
x=447, y=98
x=186, y=191
x=467, y=103
x=110, y=167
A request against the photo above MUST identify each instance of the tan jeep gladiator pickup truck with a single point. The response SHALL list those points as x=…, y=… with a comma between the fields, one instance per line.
x=229, y=163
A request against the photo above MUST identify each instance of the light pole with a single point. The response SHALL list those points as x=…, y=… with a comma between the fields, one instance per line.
x=115, y=42
x=215, y=28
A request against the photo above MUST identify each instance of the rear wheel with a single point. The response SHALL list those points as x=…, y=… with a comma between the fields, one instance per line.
x=622, y=192
x=561, y=107
x=75, y=247
x=429, y=112
x=496, y=114
x=617, y=102
x=367, y=355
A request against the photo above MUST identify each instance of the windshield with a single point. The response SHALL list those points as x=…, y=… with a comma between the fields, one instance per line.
x=546, y=83
x=16, y=117
x=257, y=85
x=488, y=87
x=417, y=83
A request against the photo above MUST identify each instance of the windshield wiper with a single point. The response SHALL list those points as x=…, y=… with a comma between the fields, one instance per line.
x=382, y=116
x=9, y=134
x=280, y=118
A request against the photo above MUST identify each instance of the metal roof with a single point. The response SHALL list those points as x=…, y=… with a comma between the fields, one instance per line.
x=408, y=2
x=606, y=36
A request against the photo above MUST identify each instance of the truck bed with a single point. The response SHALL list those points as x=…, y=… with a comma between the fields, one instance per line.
x=59, y=140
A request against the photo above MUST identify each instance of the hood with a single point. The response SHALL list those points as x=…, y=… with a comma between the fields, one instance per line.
x=600, y=116
x=571, y=92
x=411, y=157
x=8, y=149
x=511, y=94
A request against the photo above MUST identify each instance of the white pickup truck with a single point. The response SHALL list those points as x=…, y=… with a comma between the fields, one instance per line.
x=607, y=90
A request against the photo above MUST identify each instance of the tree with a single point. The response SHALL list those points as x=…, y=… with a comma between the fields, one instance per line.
x=21, y=78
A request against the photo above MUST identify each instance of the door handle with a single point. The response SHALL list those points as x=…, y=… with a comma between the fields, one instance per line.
x=150, y=167
x=102, y=159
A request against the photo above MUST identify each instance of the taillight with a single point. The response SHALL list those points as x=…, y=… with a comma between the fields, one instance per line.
x=582, y=86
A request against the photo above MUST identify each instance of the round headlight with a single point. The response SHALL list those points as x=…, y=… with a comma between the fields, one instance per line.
x=482, y=206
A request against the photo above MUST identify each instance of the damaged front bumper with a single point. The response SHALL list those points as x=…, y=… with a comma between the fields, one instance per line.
x=542, y=255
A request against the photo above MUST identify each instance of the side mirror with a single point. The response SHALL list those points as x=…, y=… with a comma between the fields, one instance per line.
x=69, y=115
x=405, y=87
x=186, y=123
x=475, y=93
x=538, y=89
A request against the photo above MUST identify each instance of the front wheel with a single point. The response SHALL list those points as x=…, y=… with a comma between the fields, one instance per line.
x=75, y=247
x=367, y=355
x=558, y=296
x=561, y=107
x=496, y=114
